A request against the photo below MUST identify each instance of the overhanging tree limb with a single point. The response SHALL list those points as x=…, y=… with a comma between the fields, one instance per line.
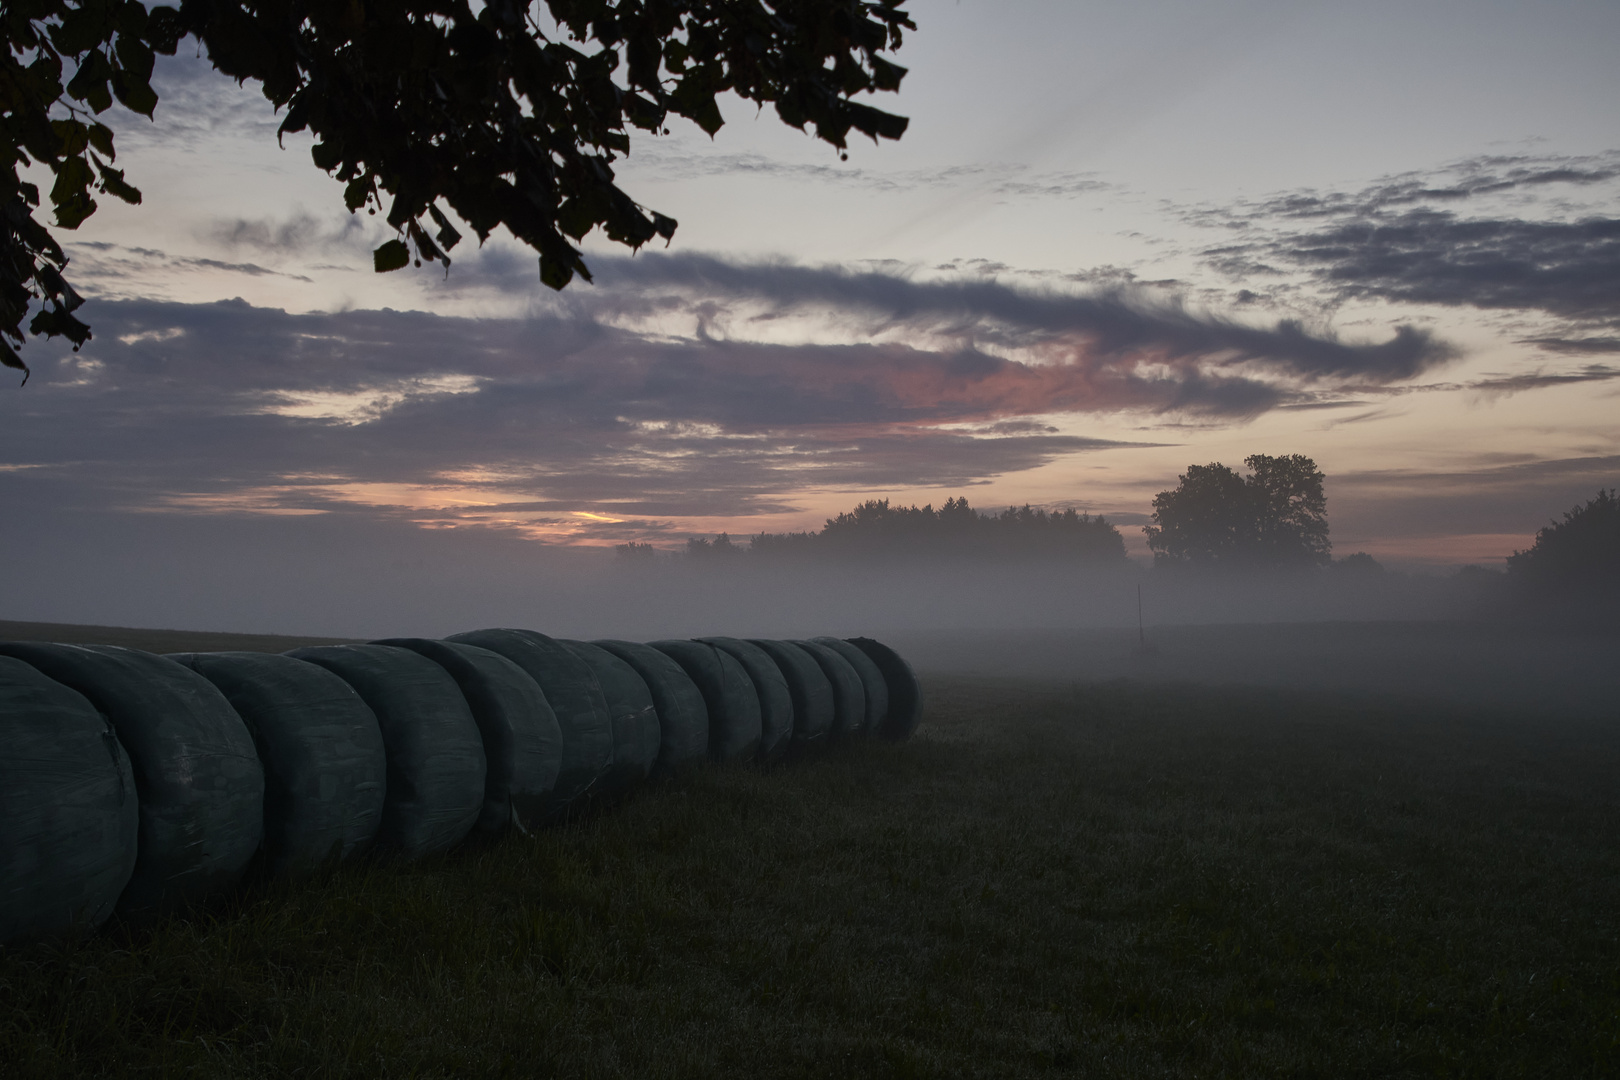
x=414, y=103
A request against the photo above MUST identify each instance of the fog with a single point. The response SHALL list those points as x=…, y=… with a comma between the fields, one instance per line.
x=329, y=575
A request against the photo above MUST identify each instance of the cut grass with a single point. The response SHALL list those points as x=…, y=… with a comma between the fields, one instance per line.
x=1109, y=880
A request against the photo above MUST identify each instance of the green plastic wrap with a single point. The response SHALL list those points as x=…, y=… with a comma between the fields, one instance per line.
x=812, y=693
x=522, y=741
x=872, y=682
x=576, y=698
x=68, y=813
x=325, y=771
x=683, y=718
x=198, y=781
x=435, y=753
x=905, y=694
x=635, y=717
x=728, y=693
x=849, y=697
x=775, y=700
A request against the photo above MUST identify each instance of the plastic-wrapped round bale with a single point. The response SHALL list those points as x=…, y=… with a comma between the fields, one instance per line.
x=683, y=718
x=68, y=814
x=576, y=698
x=728, y=693
x=435, y=753
x=849, y=697
x=877, y=691
x=775, y=700
x=905, y=695
x=812, y=693
x=634, y=716
x=324, y=767
x=522, y=741
x=198, y=781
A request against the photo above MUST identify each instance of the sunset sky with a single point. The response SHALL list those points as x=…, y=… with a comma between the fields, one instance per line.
x=1118, y=239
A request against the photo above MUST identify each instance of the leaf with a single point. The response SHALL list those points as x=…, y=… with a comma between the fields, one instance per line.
x=447, y=234
x=89, y=83
x=356, y=192
x=391, y=256
x=327, y=154
x=70, y=195
x=101, y=137
x=112, y=182
x=72, y=135
x=164, y=30
x=59, y=322
x=57, y=289
x=134, y=56
x=83, y=27
x=9, y=357
x=136, y=94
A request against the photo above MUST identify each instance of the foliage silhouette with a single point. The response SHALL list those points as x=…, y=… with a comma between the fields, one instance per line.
x=879, y=529
x=508, y=122
x=1577, y=556
x=1274, y=517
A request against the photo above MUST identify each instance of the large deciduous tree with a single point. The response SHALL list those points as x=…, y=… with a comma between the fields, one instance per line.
x=1275, y=516
x=507, y=113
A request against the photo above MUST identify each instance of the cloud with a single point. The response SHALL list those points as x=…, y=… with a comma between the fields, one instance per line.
x=1009, y=180
x=1523, y=176
x=1494, y=233
x=602, y=406
x=1570, y=269
x=114, y=269
x=298, y=234
x=1092, y=329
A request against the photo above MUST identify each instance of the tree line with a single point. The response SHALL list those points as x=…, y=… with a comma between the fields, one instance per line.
x=881, y=529
x=1215, y=519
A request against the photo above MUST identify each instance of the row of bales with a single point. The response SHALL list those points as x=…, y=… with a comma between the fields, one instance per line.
x=137, y=784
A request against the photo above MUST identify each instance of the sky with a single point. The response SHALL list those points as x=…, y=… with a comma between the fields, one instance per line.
x=1117, y=239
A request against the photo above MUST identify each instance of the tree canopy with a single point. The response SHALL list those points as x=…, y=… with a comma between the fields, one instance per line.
x=1578, y=555
x=508, y=113
x=1275, y=516
x=879, y=529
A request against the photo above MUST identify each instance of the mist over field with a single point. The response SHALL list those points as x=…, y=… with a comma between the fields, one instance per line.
x=1437, y=636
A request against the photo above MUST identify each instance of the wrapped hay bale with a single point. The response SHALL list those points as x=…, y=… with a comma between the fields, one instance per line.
x=325, y=771
x=435, y=753
x=728, y=694
x=522, y=740
x=198, y=781
x=849, y=697
x=633, y=715
x=905, y=695
x=683, y=718
x=812, y=694
x=775, y=701
x=872, y=683
x=575, y=696
x=68, y=813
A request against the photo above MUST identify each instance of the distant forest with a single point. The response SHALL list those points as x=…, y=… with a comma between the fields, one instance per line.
x=877, y=529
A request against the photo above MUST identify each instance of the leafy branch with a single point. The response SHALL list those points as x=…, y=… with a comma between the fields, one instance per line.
x=414, y=103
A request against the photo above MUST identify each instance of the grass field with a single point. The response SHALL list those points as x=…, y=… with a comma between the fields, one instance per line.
x=1112, y=879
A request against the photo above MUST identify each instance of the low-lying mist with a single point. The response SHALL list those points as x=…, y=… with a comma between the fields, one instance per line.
x=1343, y=627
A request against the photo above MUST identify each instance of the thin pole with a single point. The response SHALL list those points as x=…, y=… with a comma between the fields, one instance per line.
x=1141, y=635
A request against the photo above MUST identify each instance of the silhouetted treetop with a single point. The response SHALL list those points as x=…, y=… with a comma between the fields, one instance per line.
x=878, y=528
x=510, y=113
x=1580, y=554
x=1276, y=516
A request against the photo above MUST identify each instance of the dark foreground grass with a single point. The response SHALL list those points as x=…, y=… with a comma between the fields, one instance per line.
x=1107, y=880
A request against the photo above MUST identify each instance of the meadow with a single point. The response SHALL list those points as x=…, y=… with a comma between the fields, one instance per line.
x=1117, y=878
